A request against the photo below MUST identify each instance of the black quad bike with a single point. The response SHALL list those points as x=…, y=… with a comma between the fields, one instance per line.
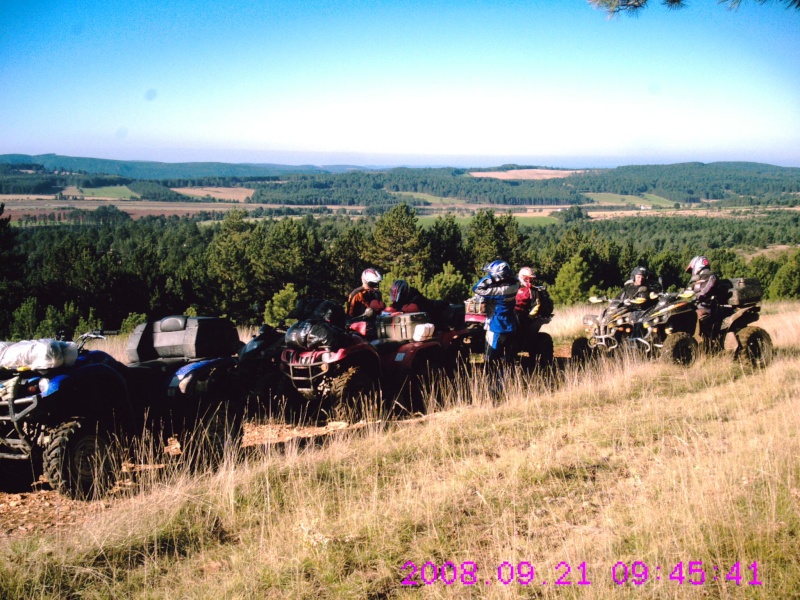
x=670, y=330
x=65, y=417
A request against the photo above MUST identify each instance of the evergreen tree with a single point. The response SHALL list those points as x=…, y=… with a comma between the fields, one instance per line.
x=449, y=285
x=445, y=245
x=281, y=305
x=397, y=243
x=786, y=283
x=573, y=282
x=491, y=238
x=229, y=269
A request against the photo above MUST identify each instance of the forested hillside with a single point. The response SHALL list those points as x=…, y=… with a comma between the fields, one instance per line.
x=136, y=169
x=736, y=183
x=112, y=271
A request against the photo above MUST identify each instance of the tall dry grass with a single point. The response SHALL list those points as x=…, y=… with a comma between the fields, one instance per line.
x=620, y=464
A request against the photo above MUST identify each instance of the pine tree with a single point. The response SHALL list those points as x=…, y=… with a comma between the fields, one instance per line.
x=397, y=242
x=572, y=282
x=786, y=283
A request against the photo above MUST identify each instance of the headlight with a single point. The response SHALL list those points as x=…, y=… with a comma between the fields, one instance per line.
x=620, y=321
x=44, y=383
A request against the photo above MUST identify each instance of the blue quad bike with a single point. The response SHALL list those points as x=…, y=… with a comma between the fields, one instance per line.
x=68, y=420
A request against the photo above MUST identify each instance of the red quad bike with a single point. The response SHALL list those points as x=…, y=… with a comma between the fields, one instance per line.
x=475, y=319
x=327, y=367
x=411, y=354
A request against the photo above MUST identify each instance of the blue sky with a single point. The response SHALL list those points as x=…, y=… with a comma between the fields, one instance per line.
x=464, y=83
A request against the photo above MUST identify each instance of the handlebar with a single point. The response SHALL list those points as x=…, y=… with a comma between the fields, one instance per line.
x=94, y=334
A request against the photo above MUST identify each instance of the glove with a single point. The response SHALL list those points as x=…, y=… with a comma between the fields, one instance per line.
x=484, y=284
x=369, y=312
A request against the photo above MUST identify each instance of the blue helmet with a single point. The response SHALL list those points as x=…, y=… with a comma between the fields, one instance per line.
x=498, y=270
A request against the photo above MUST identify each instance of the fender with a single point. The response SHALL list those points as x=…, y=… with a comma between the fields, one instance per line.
x=742, y=318
x=96, y=388
x=195, y=377
x=408, y=354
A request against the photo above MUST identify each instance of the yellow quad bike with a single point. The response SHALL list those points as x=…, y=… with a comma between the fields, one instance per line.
x=670, y=330
x=610, y=330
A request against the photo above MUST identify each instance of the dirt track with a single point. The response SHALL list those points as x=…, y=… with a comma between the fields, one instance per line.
x=38, y=508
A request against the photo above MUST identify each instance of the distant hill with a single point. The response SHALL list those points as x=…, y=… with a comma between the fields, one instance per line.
x=158, y=170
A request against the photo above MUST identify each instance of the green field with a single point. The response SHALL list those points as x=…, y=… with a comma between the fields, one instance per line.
x=435, y=200
x=618, y=199
x=113, y=191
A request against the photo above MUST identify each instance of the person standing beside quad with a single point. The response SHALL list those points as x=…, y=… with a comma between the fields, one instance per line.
x=366, y=300
x=499, y=290
x=530, y=303
x=533, y=308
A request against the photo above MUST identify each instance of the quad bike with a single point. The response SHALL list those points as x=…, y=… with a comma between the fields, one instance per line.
x=532, y=347
x=412, y=354
x=608, y=331
x=62, y=415
x=327, y=367
x=671, y=330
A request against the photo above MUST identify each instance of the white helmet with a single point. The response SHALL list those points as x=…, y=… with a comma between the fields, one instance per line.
x=371, y=278
x=697, y=264
x=526, y=276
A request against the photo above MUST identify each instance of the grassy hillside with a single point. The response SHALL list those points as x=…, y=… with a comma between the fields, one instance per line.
x=628, y=464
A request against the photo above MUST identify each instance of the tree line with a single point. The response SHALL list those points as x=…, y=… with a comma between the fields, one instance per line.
x=116, y=272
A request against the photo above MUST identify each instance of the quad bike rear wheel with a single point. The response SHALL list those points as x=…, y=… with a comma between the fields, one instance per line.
x=540, y=349
x=755, y=347
x=680, y=349
x=78, y=460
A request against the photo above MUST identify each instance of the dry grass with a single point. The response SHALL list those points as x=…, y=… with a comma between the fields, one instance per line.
x=626, y=462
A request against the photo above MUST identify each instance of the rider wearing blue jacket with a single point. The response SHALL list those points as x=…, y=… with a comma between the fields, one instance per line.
x=499, y=290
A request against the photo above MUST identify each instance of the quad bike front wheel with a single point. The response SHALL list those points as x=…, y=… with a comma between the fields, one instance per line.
x=78, y=460
x=349, y=391
x=582, y=352
x=680, y=349
x=755, y=347
x=214, y=434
